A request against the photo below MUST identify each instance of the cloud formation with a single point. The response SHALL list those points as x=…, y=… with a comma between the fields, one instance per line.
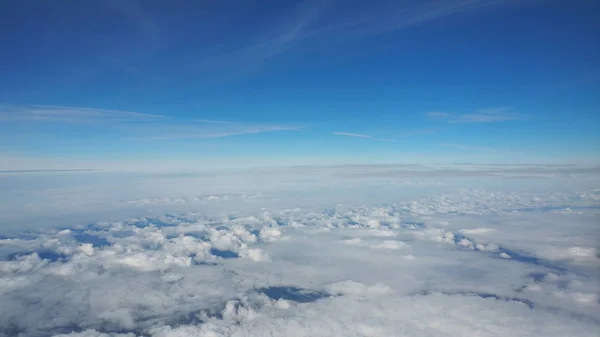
x=202, y=131
x=358, y=135
x=133, y=125
x=262, y=273
x=212, y=121
x=388, y=16
x=501, y=114
x=69, y=114
x=317, y=23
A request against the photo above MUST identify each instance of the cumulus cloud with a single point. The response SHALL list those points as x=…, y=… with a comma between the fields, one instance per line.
x=270, y=234
x=256, y=254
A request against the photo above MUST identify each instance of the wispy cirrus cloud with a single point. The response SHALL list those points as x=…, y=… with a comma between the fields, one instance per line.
x=131, y=125
x=349, y=134
x=212, y=121
x=199, y=131
x=312, y=24
x=501, y=114
x=388, y=16
x=244, y=47
x=358, y=135
x=67, y=114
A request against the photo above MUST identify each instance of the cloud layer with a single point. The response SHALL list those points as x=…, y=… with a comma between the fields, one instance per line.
x=401, y=268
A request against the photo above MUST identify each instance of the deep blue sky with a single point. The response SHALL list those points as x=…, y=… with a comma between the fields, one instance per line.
x=299, y=81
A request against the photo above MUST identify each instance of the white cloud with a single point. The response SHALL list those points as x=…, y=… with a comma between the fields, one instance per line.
x=270, y=234
x=357, y=289
x=256, y=254
x=390, y=244
x=501, y=114
x=22, y=264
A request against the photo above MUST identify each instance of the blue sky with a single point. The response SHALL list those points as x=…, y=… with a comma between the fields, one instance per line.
x=322, y=81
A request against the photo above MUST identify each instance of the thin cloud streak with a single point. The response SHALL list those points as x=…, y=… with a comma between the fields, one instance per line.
x=194, y=132
x=358, y=135
x=397, y=15
x=303, y=27
x=67, y=114
x=211, y=121
x=501, y=114
x=129, y=125
x=292, y=29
